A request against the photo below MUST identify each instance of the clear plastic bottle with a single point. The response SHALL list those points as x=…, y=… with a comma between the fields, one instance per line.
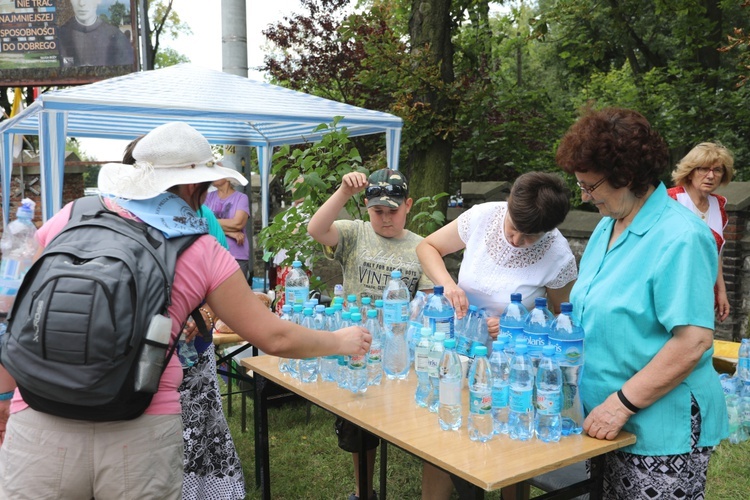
x=512, y=321
x=357, y=365
x=375, y=354
x=379, y=309
x=351, y=304
x=743, y=361
x=416, y=322
x=536, y=328
x=736, y=431
x=286, y=315
x=500, y=366
x=396, y=318
x=548, y=396
x=481, y=427
x=308, y=367
x=433, y=369
x=297, y=316
x=744, y=409
x=567, y=336
x=439, y=312
x=329, y=364
x=338, y=292
x=342, y=377
x=338, y=308
x=520, y=398
x=365, y=305
x=475, y=330
x=421, y=366
x=19, y=246
x=297, y=285
x=186, y=352
x=450, y=373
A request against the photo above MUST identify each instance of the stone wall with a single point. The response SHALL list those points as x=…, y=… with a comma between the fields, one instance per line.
x=578, y=226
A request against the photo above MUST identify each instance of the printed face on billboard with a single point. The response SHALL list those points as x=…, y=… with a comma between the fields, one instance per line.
x=53, y=42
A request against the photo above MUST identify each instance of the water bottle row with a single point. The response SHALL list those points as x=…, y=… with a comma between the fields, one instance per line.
x=737, y=397
x=18, y=246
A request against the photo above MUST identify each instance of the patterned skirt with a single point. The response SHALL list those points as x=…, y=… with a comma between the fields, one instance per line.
x=629, y=477
x=212, y=468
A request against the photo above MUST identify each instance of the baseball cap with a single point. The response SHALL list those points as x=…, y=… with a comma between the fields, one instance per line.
x=388, y=188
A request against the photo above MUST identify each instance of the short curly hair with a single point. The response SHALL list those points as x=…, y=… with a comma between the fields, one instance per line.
x=538, y=202
x=618, y=143
x=704, y=154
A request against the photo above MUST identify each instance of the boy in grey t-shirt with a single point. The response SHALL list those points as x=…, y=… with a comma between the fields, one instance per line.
x=368, y=252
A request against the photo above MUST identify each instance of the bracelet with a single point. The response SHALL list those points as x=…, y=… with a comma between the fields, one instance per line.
x=209, y=316
x=5, y=396
x=630, y=406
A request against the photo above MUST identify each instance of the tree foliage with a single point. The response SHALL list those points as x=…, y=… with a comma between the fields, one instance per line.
x=163, y=20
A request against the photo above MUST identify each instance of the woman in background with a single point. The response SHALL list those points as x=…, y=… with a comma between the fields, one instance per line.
x=232, y=208
x=706, y=167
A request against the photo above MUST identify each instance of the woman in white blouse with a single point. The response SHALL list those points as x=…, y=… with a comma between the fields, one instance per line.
x=706, y=167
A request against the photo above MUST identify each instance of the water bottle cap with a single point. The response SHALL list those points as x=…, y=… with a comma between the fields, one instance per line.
x=298, y=307
x=356, y=317
x=438, y=289
x=338, y=306
x=307, y=311
x=338, y=287
x=25, y=212
x=566, y=307
x=372, y=313
x=548, y=350
x=286, y=308
x=338, y=300
x=320, y=308
x=438, y=336
x=351, y=297
x=346, y=314
x=341, y=360
x=540, y=302
x=366, y=300
x=396, y=274
x=521, y=348
x=449, y=343
x=378, y=302
x=515, y=297
x=330, y=311
x=479, y=350
x=296, y=263
x=499, y=344
x=425, y=331
x=473, y=308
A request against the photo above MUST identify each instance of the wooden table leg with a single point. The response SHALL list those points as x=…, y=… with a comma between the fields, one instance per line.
x=363, y=484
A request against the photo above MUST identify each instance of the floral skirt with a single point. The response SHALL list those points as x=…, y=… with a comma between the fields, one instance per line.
x=212, y=468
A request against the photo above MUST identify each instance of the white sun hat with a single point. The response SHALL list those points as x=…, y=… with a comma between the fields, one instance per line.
x=171, y=154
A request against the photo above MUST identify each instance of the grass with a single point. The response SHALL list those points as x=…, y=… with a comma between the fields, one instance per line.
x=306, y=461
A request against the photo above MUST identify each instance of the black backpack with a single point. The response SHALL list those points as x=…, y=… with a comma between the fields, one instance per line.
x=81, y=314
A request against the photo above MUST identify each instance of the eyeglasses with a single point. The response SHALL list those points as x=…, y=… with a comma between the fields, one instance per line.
x=590, y=189
x=387, y=190
x=718, y=171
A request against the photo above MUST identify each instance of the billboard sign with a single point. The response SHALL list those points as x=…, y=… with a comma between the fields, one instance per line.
x=56, y=42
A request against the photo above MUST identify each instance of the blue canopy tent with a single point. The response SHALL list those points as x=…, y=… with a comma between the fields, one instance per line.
x=226, y=109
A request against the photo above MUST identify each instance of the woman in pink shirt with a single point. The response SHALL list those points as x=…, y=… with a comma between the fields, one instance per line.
x=45, y=456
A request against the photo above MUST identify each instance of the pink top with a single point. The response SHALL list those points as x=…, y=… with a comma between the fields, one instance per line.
x=198, y=272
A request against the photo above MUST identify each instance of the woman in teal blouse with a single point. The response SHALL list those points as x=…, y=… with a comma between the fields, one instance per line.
x=645, y=298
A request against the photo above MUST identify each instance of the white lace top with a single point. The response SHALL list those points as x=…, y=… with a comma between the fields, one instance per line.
x=492, y=269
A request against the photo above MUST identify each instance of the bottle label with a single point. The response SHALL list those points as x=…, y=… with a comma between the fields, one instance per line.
x=375, y=354
x=548, y=402
x=743, y=364
x=569, y=352
x=500, y=396
x=357, y=362
x=296, y=294
x=536, y=341
x=421, y=361
x=395, y=311
x=480, y=402
x=432, y=365
x=450, y=392
x=520, y=400
x=444, y=325
x=464, y=345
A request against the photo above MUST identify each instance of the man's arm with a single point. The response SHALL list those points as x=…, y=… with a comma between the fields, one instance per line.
x=321, y=227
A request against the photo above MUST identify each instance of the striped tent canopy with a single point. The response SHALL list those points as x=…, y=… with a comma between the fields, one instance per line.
x=227, y=109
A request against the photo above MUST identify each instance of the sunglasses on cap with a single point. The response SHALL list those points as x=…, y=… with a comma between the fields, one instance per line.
x=387, y=190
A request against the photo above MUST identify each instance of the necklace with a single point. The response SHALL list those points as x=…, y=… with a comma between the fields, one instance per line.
x=702, y=215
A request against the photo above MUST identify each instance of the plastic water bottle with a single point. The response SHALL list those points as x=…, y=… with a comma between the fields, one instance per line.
x=308, y=367
x=548, y=397
x=736, y=431
x=365, y=305
x=439, y=312
x=567, y=337
x=743, y=361
x=396, y=317
x=512, y=321
x=520, y=398
x=357, y=365
x=329, y=364
x=342, y=377
x=450, y=374
x=536, y=328
x=481, y=426
x=375, y=354
x=500, y=367
x=475, y=331
x=744, y=409
x=351, y=304
x=421, y=366
x=379, y=309
x=286, y=315
x=18, y=246
x=338, y=292
x=186, y=352
x=297, y=317
x=297, y=285
x=433, y=370
x=416, y=322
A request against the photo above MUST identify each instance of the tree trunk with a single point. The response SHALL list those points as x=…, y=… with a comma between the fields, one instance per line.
x=429, y=164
